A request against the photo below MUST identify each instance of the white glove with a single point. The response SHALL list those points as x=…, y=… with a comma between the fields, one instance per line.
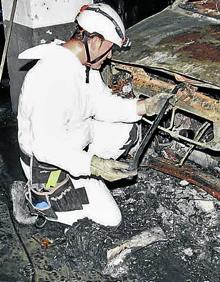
x=153, y=105
x=110, y=170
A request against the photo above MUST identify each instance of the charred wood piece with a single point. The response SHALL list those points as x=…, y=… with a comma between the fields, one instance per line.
x=199, y=178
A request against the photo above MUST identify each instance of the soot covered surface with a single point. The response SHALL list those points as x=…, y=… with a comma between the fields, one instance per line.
x=188, y=250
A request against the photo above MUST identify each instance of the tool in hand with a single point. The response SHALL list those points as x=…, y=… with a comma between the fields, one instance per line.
x=147, y=138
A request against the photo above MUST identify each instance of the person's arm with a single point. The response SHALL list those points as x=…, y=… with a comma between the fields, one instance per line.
x=109, y=107
x=114, y=108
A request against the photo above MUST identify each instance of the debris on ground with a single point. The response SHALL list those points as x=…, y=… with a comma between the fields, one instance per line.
x=185, y=247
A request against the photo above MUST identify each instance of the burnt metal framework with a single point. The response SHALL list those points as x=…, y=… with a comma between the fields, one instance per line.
x=164, y=53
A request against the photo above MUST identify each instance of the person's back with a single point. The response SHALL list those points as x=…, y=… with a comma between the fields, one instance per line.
x=51, y=87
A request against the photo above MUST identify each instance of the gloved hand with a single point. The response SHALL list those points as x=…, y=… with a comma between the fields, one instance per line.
x=110, y=170
x=154, y=104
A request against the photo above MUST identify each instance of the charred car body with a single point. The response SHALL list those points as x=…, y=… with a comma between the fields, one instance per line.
x=181, y=44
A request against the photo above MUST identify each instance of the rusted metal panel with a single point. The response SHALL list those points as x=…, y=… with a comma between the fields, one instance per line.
x=177, y=41
x=209, y=8
x=200, y=105
x=144, y=82
x=195, y=102
x=203, y=180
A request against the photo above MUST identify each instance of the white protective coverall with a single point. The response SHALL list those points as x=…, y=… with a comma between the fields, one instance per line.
x=59, y=114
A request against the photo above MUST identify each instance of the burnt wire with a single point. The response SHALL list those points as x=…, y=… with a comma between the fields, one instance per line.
x=9, y=206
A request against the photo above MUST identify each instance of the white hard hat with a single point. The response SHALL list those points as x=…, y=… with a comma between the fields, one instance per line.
x=101, y=18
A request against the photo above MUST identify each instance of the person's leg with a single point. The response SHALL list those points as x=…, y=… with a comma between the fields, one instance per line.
x=102, y=207
x=109, y=141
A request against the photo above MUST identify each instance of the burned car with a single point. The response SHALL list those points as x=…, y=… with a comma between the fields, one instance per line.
x=178, y=46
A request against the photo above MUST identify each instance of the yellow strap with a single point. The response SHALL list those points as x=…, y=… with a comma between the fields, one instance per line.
x=53, y=178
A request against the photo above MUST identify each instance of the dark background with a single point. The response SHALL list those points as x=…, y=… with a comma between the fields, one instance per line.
x=132, y=11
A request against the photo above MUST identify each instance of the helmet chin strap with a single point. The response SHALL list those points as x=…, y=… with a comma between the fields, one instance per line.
x=89, y=62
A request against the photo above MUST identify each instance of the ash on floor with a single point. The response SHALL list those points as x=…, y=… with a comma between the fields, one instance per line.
x=170, y=232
